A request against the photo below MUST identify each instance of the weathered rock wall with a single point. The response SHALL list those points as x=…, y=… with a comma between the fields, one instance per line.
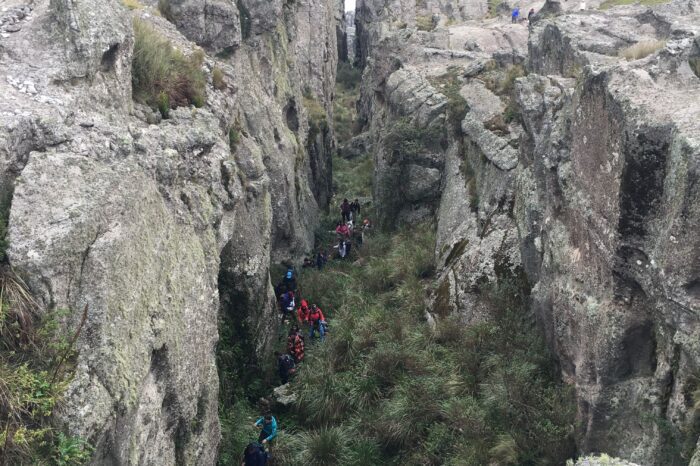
x=145, y=222
x=583, y=174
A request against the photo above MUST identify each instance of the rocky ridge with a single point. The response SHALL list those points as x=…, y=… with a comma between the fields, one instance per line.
x=567, y=162
x=157, y=225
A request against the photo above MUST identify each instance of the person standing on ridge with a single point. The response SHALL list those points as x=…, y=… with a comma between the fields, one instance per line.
x=515, y=14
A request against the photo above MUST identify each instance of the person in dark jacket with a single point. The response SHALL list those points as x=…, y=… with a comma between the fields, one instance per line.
x=254, y=455
x=290, y=281
x=355, y=208
x=285, y=366
x=345, y=210
x=530, y=14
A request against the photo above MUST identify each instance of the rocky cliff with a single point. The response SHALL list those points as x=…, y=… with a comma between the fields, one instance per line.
x=566, y=149
x=157, y=225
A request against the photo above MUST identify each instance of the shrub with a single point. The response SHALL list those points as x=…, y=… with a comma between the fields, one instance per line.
x=348, y=76
x=234, y=137
x=35, y=368
x=162, y=76
x=217, y=78
x=449, y=84
x=318, y=120
x=425, y=23
x=642, y=49
x=406, y=139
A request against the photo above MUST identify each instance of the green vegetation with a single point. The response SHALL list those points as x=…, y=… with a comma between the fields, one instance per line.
x=607, y=4
x=347, y=92
x=217, y=78
x=450, y=84
x=406, y=139
x=425, y=23
x=234, y=137
x=318, y=120
x=347, y=76
x=385, y=389
x=162, y=77
x=5, y=201
x=36, y=358
x=353, y=178
x=642, y=49
x=502, y=83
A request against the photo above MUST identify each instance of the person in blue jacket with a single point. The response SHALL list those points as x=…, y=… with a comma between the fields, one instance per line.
x=268, y=423
x=515, y=14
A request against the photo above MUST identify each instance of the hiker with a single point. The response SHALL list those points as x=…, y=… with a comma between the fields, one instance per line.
x=342, y=229
x=254, y=455
x=303, y=312
x=366, y=227
x=285, y=366
x=530, y=14
x=317, y=321
x=515, y=14
x=321, y=259
x=308, y=262
x=287, y=303
x=348, y=247
x=342, y=249
x=268, y=424
x=290, y=282
x=345, y=210
x=355, y=209
x=295, y=344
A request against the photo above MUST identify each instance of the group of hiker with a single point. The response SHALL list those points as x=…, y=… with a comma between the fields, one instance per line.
x=304, y=315
x=515, y=14
x=346, y=229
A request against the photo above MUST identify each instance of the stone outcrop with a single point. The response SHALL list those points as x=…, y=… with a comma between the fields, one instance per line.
x=575, y=167
x=155, y=227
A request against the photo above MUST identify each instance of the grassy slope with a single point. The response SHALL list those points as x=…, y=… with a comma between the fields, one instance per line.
x=385, y=389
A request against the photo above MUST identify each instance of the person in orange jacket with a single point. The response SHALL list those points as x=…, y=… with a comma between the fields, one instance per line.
x=317, y=321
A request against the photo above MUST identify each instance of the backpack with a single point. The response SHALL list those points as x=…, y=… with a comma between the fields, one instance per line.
x=287, y=362
x=255, y=455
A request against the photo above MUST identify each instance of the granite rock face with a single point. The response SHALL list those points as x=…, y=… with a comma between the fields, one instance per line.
x=574, y=166
x=156, y=226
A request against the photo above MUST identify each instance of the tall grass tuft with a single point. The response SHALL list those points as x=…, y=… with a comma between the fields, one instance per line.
x=642, y=49
x=162, y=76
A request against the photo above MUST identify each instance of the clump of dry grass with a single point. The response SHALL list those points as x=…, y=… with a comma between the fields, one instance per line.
x=642, y=49
x=217, y=78
x=132, y=4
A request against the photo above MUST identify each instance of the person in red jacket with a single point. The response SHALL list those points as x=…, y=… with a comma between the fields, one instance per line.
x=317, y=321
x=303, y=312
x=295, y=344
